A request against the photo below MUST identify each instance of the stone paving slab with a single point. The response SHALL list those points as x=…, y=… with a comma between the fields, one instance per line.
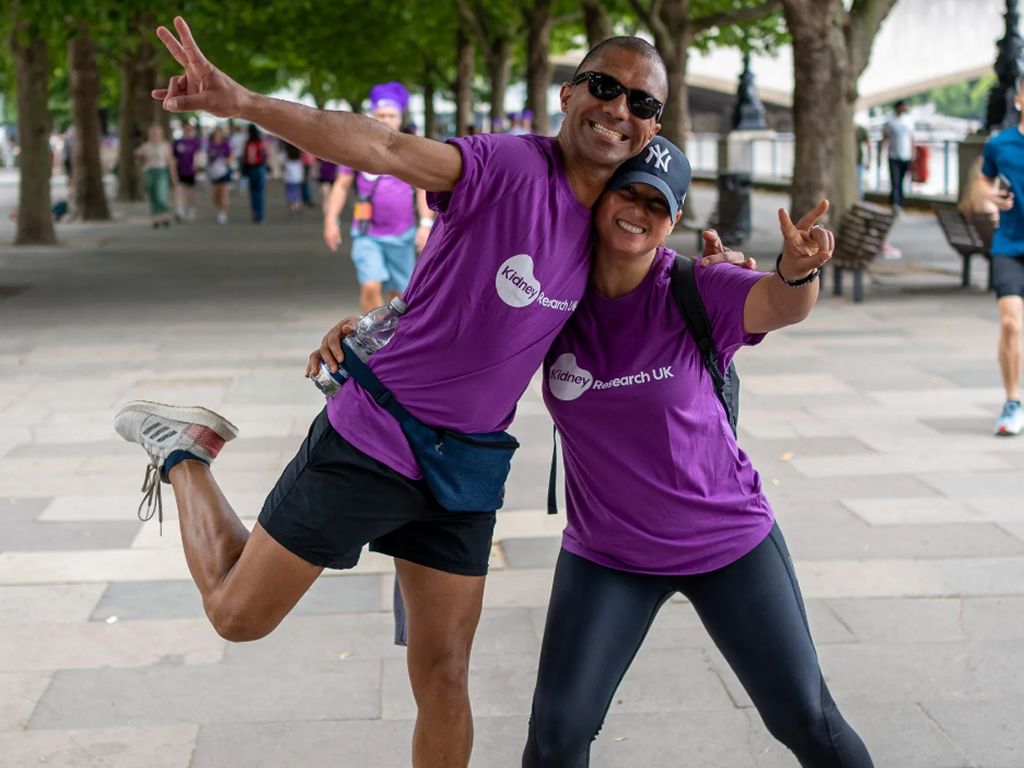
x=989, y=731
x=90, y=645
x=20, y=695
x=167, y=746
x=50, y=604
x=216, y=693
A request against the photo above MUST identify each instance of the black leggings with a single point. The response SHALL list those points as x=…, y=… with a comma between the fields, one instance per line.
x=598, y=618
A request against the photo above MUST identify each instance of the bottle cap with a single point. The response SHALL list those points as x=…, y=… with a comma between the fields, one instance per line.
x=398, y=305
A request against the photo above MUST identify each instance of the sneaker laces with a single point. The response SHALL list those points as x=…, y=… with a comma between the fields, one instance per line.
x=151, y=499
x=1009, y=408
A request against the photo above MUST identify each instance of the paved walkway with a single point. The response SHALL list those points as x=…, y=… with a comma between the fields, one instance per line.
x=871, y=426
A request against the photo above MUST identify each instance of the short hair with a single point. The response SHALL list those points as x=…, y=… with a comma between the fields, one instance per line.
x=899, y=103
x=636, y=45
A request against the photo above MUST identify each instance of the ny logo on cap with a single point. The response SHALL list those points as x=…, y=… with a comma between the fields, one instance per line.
x=660, y=156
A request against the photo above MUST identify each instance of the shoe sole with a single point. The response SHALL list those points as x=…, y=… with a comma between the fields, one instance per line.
x=1002, y=432
x=191, y=415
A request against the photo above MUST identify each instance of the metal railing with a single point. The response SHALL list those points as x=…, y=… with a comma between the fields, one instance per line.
x=771, y=159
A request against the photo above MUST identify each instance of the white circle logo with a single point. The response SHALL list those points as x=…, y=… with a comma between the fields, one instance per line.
x=515, y=282
x=566, y=379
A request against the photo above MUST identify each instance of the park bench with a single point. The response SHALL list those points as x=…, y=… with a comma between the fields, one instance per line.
x=968, y=234
x=862, y=233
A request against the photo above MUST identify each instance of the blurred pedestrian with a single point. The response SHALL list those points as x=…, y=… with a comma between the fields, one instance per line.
x=863, y=142
x=218, y=171
x=158, y=171
x=328, y=175
x=898, y=137
x=237, y=139
x=385, y=235
x=307, y=178
x=1003, y=173
x=186, y=149
x=254, y=166
x=293, y=176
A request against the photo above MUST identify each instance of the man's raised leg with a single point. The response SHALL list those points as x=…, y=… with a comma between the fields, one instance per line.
x=249, y=583
x=443, y=612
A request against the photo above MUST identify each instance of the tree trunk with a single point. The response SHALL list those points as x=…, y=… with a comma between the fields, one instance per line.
x=90, y=196
x=32, y=74
x=596, y=21
x=138, y=110
x=429, y=113
x=831, y=49
x=537, y=15
x=675, y=119
x=498, y=70
x=464, y=83
x=814, y=94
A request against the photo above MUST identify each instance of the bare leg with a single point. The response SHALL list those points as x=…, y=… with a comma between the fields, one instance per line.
x=249, y=583
x=443, y=611
x=1011, y=314
x=371, y=296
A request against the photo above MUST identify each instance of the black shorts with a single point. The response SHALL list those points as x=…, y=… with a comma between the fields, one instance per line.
x=332, y=499
x=1008, y=275
x=188, y=179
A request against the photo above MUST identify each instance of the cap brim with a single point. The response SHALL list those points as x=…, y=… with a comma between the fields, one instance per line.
x=642, y=177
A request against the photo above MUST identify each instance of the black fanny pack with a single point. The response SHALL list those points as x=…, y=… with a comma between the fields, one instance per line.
x=465, y=472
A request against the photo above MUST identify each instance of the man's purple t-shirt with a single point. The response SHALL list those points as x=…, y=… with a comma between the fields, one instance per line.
x=506, y=264
x=655, y=482
x=185, y=150
x=394, y=202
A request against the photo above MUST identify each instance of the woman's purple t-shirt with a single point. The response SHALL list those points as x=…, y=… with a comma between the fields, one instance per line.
x=185, y=150
x=394, y=202
x=506, y=264
x=655, y=482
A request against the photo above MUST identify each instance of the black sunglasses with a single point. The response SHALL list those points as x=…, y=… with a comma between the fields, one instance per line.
x=606, y=88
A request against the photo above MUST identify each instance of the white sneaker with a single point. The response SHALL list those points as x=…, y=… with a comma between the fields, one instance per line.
x=1011, y=421
x=222, y=217
x=161, y=430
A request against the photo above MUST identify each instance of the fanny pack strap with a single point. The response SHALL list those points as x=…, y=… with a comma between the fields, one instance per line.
x=553, y=477
x=368, y=380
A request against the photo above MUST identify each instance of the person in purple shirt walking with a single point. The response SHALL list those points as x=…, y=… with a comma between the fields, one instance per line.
x=385, y=233
x=659, y=497
x=185, y=150
x=218, y=171
x=507, y=262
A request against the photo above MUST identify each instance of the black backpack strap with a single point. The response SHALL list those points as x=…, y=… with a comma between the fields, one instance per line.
x=553, y=477
x=368, y=380
x=691, y=305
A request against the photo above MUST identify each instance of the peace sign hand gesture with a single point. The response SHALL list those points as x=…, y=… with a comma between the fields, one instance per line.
x=203, y=86
x=806, y=245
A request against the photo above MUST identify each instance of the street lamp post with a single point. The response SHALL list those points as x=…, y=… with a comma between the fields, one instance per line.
x=736, y=159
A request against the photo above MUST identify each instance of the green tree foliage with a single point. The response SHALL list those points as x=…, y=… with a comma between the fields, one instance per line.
x=966, y=100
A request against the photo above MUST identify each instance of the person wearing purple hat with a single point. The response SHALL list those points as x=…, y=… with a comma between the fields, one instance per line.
x=505, y=266
x=627, y=387
x=385, y=233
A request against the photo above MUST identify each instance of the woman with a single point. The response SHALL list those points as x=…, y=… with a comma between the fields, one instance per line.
x=218, y=155
x=158, y=171
x=685, y=512
x=293, y=178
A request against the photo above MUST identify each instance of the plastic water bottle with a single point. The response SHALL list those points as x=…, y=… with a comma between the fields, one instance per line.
x=373, y=331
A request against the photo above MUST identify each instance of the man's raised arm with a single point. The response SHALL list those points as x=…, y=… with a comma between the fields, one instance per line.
x=342, y=137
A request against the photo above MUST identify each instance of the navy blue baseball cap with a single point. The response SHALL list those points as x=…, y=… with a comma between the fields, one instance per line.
x=662, y=165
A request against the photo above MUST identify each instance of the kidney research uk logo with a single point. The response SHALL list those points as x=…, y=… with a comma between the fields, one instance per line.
x=519, y=287
x=567, y=380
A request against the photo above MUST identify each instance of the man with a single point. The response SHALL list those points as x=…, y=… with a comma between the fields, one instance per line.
x=1003, y=165
x=385, y=234
x=898, y=135
x=508, y=261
